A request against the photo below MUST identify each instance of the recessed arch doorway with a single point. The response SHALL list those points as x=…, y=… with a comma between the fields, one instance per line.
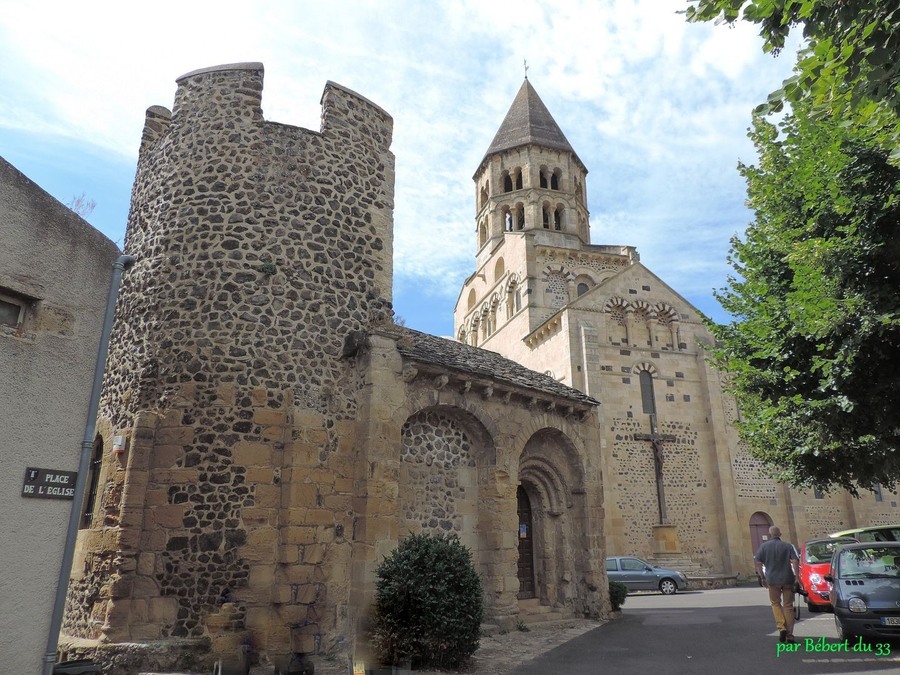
x=759, y=529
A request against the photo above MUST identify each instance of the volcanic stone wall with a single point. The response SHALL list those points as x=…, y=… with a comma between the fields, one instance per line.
x=260, y=247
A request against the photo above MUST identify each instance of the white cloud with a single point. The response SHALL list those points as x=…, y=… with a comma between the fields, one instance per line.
x=656, y=108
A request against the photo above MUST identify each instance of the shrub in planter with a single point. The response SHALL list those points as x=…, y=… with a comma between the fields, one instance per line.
x=617, y=593
x=428, y=603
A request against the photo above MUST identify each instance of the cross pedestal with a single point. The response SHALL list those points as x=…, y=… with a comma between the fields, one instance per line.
x=665, y=539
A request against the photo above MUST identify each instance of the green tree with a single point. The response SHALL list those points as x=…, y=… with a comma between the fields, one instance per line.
x=814, y=347
x=848, y=65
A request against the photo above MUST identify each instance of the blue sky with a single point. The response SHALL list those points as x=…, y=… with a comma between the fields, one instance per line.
x=656, y=109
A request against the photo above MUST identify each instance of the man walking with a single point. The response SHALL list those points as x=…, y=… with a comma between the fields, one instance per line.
x=777, y=564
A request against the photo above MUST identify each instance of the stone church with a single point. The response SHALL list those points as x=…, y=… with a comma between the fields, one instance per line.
x=679, y=487
x=267, y=434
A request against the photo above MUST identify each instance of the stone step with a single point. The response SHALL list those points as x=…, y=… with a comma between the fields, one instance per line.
x=532, y=606
x=680, y=563
x=544, y=617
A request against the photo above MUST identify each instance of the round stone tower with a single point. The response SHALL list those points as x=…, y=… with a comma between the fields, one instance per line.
x=260, y=249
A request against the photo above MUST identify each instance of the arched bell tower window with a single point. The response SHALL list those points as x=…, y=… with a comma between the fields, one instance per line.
x=484, y=196
x=583, y=288
x=543, y=177
x=554, y=180
x=471, y=300
x=558, y=218
x=546, y=212
x=507, y=219
x=518, y=175
x=520, y=217
x=507, y=182
x=482, y=233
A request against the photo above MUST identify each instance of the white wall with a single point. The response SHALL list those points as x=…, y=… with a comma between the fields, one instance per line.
x=46, y=369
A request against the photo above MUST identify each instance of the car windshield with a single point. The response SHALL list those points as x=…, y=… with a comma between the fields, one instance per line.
x=875, y=562
x=821, y=551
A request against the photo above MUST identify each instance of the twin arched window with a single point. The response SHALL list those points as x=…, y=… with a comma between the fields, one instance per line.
x=512, y=180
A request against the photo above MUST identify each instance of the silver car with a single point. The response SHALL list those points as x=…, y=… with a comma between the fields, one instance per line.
x=639, y=575
x=866, y=590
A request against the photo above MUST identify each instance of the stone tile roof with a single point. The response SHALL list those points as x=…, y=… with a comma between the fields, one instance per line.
x=481, y=363
x=528, y=122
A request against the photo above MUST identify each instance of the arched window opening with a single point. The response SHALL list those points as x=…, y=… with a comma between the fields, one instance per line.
x=507, y=183
x=484, y=196
x=543, y=179
x=558, y=218
x=518, y=179
x=90, y=500
x=482, y=233
x=554, y=180
x=583, y=288
x=546, y=217
x=507, y=221
x=471, y=300
x=499, y=269
x=648, y=402
x=520, y=217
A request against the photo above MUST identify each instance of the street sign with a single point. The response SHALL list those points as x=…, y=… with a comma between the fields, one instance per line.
x=49, y=483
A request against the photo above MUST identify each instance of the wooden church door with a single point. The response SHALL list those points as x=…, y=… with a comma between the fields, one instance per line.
x=526, y=545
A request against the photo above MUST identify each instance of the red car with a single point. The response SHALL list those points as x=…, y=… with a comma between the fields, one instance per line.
x=815, y=563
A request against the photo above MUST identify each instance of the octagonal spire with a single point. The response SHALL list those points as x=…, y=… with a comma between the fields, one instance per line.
x=528, y=122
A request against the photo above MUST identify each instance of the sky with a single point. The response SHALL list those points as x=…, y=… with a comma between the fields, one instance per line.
x=657, y=109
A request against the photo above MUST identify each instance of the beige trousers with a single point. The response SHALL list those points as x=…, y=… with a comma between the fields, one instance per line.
x=782, y=599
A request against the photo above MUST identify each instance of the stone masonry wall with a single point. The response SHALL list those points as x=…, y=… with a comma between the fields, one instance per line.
x=438, y=485
x=260, y=247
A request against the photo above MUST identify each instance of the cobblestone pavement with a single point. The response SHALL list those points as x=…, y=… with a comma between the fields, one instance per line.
x=500, y=654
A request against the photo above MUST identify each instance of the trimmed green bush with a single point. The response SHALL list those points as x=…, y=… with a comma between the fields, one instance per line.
x=428, y=603
x=617, y=593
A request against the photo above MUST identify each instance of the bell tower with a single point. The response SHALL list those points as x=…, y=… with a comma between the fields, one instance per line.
x=530, y=197
x=530, y=180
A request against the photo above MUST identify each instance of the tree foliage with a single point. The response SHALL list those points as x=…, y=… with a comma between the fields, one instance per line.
x=814, y=347
x=428, y=603
x=848, y=65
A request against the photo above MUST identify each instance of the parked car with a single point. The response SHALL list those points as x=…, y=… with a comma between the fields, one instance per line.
x=815, y=564
x=865, y=592
x=876, y=533
x=639, y=575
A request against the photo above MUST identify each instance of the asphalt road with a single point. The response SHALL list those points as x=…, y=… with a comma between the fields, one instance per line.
x=728, y=631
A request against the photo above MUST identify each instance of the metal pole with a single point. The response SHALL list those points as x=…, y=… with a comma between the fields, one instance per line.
x=122, y=263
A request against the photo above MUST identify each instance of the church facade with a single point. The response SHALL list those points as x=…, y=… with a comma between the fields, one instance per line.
x=679, y=486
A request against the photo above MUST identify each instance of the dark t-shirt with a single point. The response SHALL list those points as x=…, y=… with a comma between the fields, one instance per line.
x=776, y=555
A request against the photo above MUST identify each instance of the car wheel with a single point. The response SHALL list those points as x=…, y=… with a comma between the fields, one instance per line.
x=813, y=607
x=842, y=634
x=667, y=587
